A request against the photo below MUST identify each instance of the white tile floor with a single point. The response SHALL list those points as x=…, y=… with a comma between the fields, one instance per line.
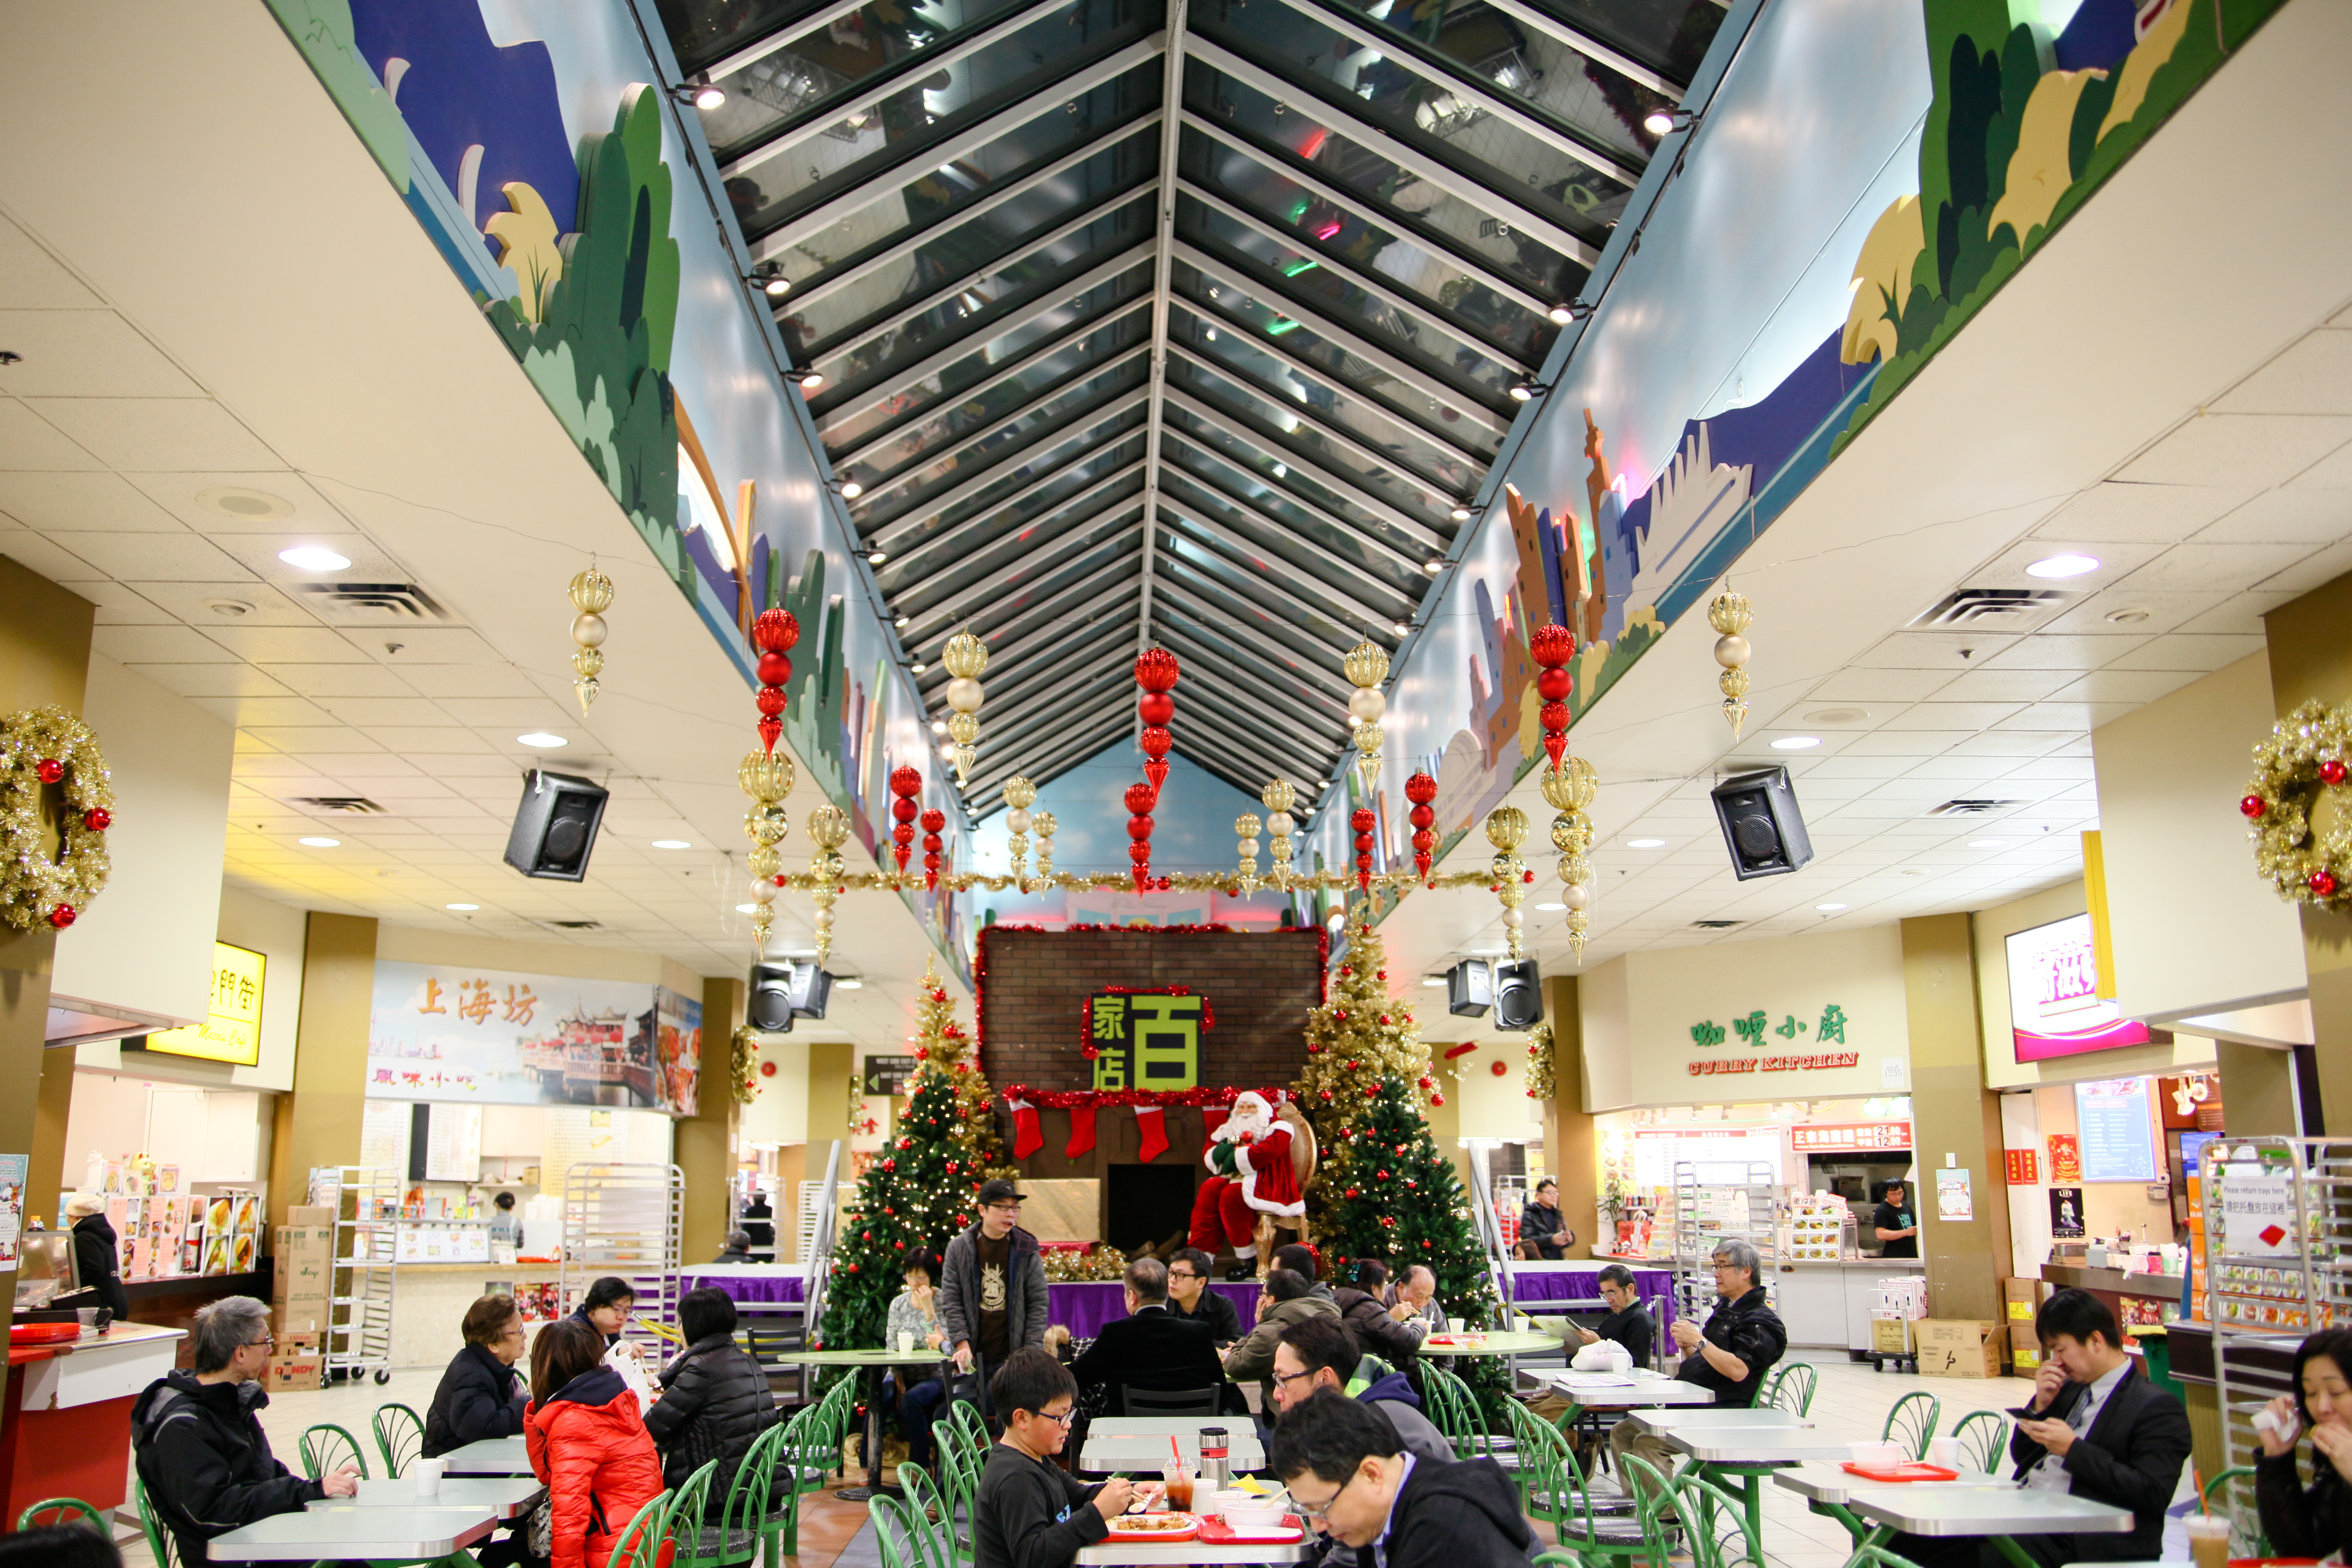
x=1851, y=1399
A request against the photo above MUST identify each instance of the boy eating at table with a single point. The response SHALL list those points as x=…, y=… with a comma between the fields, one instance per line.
x=1028, y=1512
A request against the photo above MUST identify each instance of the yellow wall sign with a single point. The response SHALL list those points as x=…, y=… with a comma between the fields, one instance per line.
x=233, y=1031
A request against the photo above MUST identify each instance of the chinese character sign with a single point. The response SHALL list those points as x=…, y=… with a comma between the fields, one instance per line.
x=1146, y=1040
x=438, y=1032
x=231, y=1031
x=2065, y=1159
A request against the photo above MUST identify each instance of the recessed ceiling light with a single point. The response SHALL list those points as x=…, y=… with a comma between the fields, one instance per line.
x=1837, y=716
x=1551, y=907
x=1988, y=843
x=229, y=609
x=1645, y=843
x=2062, y=567
x=1796, y=742
x=314, y=558
x=1829, y=908
x=319, y=843
x=939, y=726
x=462, y=908
x=542, y=739
x=672, y=843
x=250, y=505
x=2130, y=615
x=848, y=982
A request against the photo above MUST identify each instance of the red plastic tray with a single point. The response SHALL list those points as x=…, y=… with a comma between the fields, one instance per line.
x=1911, y=1472
x=1215, y=1531
x=43, y=1333
x=1162, y=1537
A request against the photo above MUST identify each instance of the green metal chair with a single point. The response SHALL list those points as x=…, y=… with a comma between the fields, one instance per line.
x=800, y=1466
x=1559, y=1496
x=964, y=1414
x=1716, y=1523
x=687, y=1526
x=327, y=1446
x=1877, y=1557
x=640, y=1543
x=960, y=1462
x=399, y=1435
x=62, y=1511
x=1654, y=1493
x=2231, y=1494
x=1791, y=1387
x=160, y=1543
x=1912, y=1421
x=931, y=1518
x=897, y=1535
x=1455, y=1411
x=1542, y=1457
x=1983, y=1436
x=743, y=1519
x=1370, y=1370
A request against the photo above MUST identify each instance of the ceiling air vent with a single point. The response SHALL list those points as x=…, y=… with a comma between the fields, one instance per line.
x=577, y=925
x=373, y=604
x=1715, y=925
x=1970, y=808
x=2002, y=609
x=355, y=804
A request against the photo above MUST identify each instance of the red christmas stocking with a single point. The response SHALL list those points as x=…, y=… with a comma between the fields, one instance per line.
x=1028, y=1137
x=1082, y=1130
x=1151, y=1125
x=1211, y=1118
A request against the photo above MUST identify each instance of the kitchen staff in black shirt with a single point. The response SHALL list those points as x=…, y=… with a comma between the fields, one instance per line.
x=1897, y=1225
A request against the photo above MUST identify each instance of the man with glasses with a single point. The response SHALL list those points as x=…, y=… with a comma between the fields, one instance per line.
x=1189, y=1295
x=992, y=1292
x=1742, y=1341
x=1350, y=1477
x=200, y=1452
x=1319, y=1352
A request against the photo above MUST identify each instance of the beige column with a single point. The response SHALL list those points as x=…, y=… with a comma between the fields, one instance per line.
x=318, y=1123
x=1569, y=1153
x=47, y=1178
x=1952, y=1113
x=705, y=1141
x=44, y=662
x=2311, y=657
x=2257, y=1089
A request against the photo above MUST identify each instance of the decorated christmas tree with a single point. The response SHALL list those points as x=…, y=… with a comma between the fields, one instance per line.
x=1358, y=1036
x=917, y=1193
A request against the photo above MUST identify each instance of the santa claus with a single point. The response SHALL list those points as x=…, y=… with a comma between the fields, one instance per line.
x=1254, y=1159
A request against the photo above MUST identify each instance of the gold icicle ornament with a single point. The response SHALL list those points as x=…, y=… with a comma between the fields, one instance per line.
x=1366, y=666
x=592, y=596
x=1020, y=795
x=828, y=828
x=1278, y=798
x=1730, y=616
x=1246, y=829
x=965, y=655
x=1043, y=823
x=1505, y=826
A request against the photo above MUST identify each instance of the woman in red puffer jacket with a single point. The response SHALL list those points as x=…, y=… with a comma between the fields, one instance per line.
x=588, y=1446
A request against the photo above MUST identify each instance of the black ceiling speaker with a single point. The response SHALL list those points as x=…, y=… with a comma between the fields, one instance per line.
x=811, y=988
x=767, y=1006
x=1761, y=826
x=555, y=826
x=1519, y=996
x=1469, y=988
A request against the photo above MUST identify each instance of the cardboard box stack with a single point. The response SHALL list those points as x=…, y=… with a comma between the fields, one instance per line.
x=2022, y=1299
x=1960, y=1347
x=303, y=1275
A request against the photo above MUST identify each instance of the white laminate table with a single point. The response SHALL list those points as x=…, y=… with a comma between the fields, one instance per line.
x=1141, y=1443
x=1829, y=1482
x=1711, y=1418
x=1633, y=1390
x=395, y=1534
x=1996, y=1513
x=491, y=1457
x=508, y=1497
x=1150, y=1555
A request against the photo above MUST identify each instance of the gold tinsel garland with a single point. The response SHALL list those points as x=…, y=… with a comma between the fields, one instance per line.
x=1358, y=1036
x=1098, y=1262
x=744, y=1062
x=1542, y=1083
x=2305, y=756
x=40, y=881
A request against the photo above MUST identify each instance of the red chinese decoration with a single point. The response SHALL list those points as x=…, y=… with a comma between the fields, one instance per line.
x=1552, y=647
x=1363, y=821
x=1155, y=670
x=906, y=784
x=773, y=633
x=933, y=821
x=1140, y=798
x=1420, y=789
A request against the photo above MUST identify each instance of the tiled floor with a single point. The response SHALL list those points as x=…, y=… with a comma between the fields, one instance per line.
x=1851, y=1399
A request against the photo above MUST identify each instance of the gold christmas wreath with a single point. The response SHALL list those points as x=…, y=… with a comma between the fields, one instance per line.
x=39, y=880
x=2304, y=755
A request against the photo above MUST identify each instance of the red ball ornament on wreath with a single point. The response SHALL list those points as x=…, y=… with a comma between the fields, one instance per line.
x=1551, y=645
x=2331, y=772
x=2322, y=883
x=2253, y=806
x=49, y=770
x=63, y=916
x=98, y=819
x=1155, y=709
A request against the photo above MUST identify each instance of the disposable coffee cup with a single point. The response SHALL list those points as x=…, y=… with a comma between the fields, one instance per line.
x=428, y=1473
x=906, y=1341
x=1944, y=1452
x=2209, y=1540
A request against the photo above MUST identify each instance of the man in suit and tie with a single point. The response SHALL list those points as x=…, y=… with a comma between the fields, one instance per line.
x=2096, y=1428
x=1151, y=1347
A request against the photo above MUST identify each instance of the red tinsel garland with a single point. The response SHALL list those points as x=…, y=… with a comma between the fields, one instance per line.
x=1069, y=1099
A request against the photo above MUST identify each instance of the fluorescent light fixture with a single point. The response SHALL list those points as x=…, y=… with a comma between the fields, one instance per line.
x=747, y=908
x=319, y=843
x=1829, y=908
x=542, y=739
x=1438, y=980
x=314, y=558
x=1796, y=742
x=1550, y=907
x=848, y=982
x=1645, y=843
x=462, y=908
x=672, y=843
x=2062, y=567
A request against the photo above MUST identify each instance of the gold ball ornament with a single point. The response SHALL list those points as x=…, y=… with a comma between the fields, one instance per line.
x=1044, y=824
x=1020, y=793
x=1366, y=664
x=591, y=593
x=964, y=656
x=963, y=729
x=1245, y=826
x=1571, y=833
x=1730, y=613
x=1505, y=826
x=765, y=861
x=765, y=775
x=1575, y=871
x=828, y=828
x=766, y=822
x=1278, y=796
x=1571, y=786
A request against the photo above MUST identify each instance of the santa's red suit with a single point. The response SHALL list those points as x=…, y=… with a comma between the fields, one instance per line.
x=1249, y=1156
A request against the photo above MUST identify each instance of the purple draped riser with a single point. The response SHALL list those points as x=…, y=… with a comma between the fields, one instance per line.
x=1655, y=1287
x=1083, y=1308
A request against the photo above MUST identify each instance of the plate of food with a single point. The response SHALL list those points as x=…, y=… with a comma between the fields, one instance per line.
x=1220, y=1529
x=1166, y=1529
x=1461, y=1342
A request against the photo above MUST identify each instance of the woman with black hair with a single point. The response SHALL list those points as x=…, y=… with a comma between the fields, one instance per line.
x=2314, y=1521
x=715, y=1399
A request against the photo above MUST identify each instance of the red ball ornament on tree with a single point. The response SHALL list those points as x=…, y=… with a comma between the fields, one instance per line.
x=49, y=770
x=1435, y=1099
x=98, y=819
x=63, y=916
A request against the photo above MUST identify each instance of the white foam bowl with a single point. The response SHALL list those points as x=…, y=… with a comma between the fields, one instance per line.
x=1246, y=1511
x=1885, y=1455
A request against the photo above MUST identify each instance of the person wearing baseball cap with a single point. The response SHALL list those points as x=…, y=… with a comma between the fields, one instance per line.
x=991, y=1293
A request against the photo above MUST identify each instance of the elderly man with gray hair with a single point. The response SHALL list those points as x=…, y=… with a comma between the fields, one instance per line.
x=200, y=1452
x=1742, y=1340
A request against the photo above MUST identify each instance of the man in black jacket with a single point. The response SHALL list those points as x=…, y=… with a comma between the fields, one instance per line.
x=480, y=1396
x=991, y=1293
x=1028, y=1512
x=200, y=1452
x=715, y=1398
x=1352, y=1479
x=2096, y=1428
x=1189, y=1295
x=1743, y=1338
x=1150, y=1348
x=1628, y=1323
x=1372, y=1327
